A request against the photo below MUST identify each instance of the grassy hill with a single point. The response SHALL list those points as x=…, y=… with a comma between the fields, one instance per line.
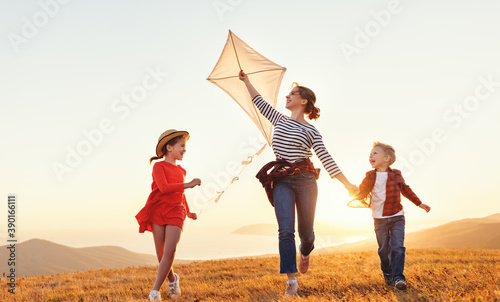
x=473, y=233
x=433, y=275
x=42, y=257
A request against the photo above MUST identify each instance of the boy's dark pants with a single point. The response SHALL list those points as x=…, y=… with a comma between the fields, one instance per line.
x=390, y=237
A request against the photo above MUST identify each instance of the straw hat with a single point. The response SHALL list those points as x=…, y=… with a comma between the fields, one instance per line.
x=166, y=136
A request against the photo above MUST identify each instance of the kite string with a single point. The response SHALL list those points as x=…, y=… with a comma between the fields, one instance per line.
x=244, y=164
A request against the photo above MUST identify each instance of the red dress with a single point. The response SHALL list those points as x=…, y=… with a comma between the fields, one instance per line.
x=167, y=203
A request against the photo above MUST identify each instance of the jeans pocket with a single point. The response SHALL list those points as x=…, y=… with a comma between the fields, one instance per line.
x=307, y=176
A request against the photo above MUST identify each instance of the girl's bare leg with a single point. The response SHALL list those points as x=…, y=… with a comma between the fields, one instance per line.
x=159, y=239
x=172, y=235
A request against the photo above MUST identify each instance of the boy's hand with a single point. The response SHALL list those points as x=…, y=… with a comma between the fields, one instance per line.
x=192, y=215
x=353, y=190
x=425, y=207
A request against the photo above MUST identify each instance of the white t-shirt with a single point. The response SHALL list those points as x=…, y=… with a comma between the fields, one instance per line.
x=378, y=196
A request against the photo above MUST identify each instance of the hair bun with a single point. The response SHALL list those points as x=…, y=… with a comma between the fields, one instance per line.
x=314, y=113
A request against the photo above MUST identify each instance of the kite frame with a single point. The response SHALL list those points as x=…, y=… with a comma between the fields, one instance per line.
x=212, y=80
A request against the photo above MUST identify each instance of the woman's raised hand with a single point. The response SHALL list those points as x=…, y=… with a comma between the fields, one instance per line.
x=243, y=76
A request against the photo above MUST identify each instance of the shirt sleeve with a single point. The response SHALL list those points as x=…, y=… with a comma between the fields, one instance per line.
x=267, y=110
x=408, y=193
x=323, y=155
x=160, y=178
x=364, y=189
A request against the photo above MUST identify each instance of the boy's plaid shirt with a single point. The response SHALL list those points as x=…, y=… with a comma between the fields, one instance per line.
x=395, y=187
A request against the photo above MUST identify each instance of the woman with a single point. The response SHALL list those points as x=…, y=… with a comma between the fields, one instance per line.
x=292, y=181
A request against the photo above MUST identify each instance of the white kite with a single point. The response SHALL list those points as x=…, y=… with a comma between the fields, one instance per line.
x=264, y=74
x=266, y=77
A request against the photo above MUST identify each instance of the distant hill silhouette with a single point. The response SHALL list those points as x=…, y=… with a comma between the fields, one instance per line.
x=261, y=229
x=42, y=257
x=475, y=233
x=264, y=229
x=472, y=233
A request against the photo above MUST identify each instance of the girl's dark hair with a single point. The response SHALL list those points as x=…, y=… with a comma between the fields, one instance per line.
x=171, y=142
x=310, y=96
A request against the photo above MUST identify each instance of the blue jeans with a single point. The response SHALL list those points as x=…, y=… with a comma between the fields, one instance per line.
x=301, y=191
x=390, y=237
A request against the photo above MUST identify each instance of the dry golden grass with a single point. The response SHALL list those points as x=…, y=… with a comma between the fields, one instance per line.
x=432, y=274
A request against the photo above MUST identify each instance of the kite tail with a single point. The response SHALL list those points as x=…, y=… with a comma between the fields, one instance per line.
x=244, y=164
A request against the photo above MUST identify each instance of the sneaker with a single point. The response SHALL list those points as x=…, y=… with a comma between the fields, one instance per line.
x=292, y=287
x=174, y=288
x=400, y=284
x=303, y=263
x=154, y=295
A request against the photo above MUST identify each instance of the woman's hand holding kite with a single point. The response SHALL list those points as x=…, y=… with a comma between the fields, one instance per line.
x=243, y=77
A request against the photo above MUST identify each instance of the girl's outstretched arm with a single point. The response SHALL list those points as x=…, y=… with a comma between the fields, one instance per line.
x=253, y=92
x=193, y=183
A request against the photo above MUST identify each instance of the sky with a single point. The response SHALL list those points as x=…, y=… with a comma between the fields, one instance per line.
x=87, y=87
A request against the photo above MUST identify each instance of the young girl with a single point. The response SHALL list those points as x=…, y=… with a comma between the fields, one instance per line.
x=292, y=181
x=166, y=207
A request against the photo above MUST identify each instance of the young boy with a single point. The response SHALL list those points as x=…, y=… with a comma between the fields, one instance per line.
x=381, y=189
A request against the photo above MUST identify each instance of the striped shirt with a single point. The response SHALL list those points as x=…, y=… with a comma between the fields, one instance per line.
x=293, y=140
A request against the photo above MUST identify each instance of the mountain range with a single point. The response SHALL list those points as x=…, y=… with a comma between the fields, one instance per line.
x=471, y=233
x=265, y=229
x=42, y=257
